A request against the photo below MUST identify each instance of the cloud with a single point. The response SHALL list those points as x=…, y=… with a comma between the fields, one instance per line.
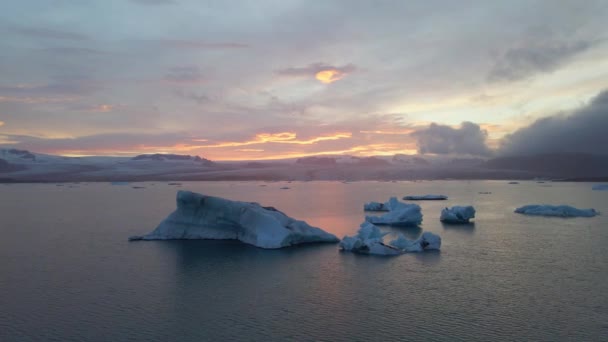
x=192, y=96
x=47, y=33
x=585, y=130
x=184, y=74
x=193, y=44
x=324, y=73
x=154, y=2
x=542, y=57
x=1, y=123
x=469, y=139
x=59, y=87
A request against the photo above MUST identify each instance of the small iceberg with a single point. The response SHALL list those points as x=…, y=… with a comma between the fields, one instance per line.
x=370, y=240
x=386, y=206
x=400, y=214
x=426, y=198
x=457, y=214
x=120, y=183
x=600, y=187
x=513, y=182
x=555, y=210
x=206, y=217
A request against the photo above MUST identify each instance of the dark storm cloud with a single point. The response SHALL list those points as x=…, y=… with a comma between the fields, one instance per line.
x=442, y=139
x=584, y=131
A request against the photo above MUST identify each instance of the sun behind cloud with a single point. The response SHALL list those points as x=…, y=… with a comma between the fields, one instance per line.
x=329, y=76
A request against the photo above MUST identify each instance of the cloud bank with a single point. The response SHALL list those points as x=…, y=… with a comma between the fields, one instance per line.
x=582, y=131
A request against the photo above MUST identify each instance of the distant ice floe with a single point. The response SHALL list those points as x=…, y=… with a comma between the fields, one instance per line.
x=426, y=198
x=600, y=187
x=457, y=214
x=370, y=240
x=513, y=182
x=400, y=214
x=555, y=210
x=205, y=217
x=386, y=206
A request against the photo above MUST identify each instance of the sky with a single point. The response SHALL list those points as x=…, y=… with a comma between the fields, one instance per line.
x=247, y=80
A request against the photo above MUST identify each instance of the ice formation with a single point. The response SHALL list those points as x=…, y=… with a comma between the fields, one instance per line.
x=386, y=206
x=426, y=198
x=602, y=187
x=205, y=217
x=400, y=214
x=457, y=214
x=555, y=210
x=370, y=240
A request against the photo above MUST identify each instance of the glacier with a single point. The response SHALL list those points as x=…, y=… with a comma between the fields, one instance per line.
x=400, y=214
x=370, y=240
x=555, y=210
x=457, y=214
x=206, y=217
x=426, y=198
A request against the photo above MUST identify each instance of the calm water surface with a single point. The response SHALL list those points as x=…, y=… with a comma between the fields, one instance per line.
x=68, y=273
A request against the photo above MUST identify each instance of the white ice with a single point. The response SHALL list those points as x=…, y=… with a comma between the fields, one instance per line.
x=401, y=214
x=205, y=217
x=370, y=240
x=457, y=214
x=555, y=210
x=601, y=187
x=426, y=197
x=386, y=206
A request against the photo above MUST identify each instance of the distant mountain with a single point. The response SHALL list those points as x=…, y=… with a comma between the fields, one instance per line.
x=323, y=161
x=172, y=157
x=410, y=160
x=569, y=165
x=13, y=154
x=8, y=167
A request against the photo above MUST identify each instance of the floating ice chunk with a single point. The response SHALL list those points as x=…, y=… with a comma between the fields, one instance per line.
x=369, y=240
x=513, y=182
x=426, y=198
x=392, y=203
x=555, y=210
x=600, y=187
x=205, y=217
x=401, y=214
x=457, y=214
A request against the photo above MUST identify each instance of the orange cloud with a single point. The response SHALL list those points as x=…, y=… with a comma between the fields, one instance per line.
x=280, y=138
x=1, y=123
x=329, y=76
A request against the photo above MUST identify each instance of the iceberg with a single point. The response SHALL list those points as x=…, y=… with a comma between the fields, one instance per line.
x=370, y=240
x=206, y=217
x=426, y=198
x=457, y=214
x=401, y=214
x=386, y=206
x=600, y=187
x=555, y=210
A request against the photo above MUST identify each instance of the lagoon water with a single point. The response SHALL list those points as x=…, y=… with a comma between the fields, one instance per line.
x=68, y=273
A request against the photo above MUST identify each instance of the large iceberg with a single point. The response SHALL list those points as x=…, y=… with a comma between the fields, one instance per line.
x=555, y=210
x=205, y=217
x=457, y=214
x=600, y=187
x=401, y=214
x=370, y=240
x=426, y=198
x=386, y=206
